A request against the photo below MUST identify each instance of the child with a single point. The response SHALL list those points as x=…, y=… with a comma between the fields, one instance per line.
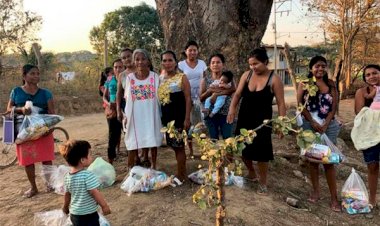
x=375, y=95
x=225, y=83
x=82, y=195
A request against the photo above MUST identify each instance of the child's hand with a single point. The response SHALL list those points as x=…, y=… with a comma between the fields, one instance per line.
x=106, y=210
x=65, y=209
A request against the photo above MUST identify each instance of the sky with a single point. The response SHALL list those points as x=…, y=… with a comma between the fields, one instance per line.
x=67, y=24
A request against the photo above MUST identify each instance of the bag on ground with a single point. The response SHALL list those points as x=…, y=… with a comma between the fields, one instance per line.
x=199, y=177
x=141, y=179
x=355, y=195
x=54, y=176
x=104, y=171
x=59, y=218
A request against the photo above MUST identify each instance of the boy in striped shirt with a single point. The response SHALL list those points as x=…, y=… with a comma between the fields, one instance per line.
x=82, y=195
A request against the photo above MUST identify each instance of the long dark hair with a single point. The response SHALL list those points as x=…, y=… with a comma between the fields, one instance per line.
x=25, y=70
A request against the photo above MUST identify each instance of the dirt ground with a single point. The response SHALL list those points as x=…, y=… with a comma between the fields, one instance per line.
x=173, y=206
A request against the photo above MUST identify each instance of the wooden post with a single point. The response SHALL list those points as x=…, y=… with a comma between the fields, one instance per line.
x=220, y=211
x=37, y=52
x=291, y=66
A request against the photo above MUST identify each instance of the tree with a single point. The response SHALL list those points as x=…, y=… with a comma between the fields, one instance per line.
x=132, y=27
x=44, y=60
x=233, y=28
x=344, y=21
x=17, y=27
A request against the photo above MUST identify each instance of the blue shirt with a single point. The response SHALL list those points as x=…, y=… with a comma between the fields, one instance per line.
x=111, y=85
x=79, y=185
x=40, y=99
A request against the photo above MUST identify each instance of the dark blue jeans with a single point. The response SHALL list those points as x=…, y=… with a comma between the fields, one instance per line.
x=218, y=123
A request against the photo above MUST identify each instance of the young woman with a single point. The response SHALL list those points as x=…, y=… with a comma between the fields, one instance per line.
x=219, y=121
x=321, y=108
x=371, y=76
x=42, y=149
x=177, y=107
x=194, y=69
x=257, y=87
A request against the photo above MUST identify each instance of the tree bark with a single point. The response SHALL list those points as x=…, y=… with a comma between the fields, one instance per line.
x=37, y=52
x=291, y=67
x=219, y=182
x=230, y=27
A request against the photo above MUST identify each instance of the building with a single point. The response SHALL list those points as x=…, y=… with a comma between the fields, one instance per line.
x=282, y=66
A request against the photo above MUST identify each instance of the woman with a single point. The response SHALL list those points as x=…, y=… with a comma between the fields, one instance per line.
x=142, y=121
x=194, y=69
x=257, y=87
x=42, y=149
x=109, y=98
x=371, y=76
x=219, y=121
x=319, y=116
x=175, y=86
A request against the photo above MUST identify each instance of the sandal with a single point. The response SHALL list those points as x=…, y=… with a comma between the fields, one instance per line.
x=313, y=200
x=30, y=193
x=263, y=190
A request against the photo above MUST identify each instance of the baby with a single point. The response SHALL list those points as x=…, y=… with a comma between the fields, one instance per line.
x=225, y=83
x=375, y=95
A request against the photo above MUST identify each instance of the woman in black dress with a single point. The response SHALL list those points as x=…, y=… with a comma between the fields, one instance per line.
x=257, y=88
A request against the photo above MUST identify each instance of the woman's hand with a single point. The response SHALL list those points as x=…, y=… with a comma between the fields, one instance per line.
x=317, y=127
x=186, y=124
x=26, y=111
x=119, y=115
x=324, y=128
x=231, y=116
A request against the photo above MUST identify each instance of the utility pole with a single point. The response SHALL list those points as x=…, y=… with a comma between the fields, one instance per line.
x=277, y=9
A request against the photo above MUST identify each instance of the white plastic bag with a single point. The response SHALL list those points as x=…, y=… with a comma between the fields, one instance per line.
x=324, y=151
x=199, y=177
x=54, y=176
x=59, y=218
x=355, y=195
x=104, y=171
x=35, y=125
x=299, y=119
x=145, y=180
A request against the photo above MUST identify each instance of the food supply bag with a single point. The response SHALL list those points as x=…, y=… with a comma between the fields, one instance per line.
x=104, y=171
x=199, y=177
x=355, y=195
x=54, y=177
x=59, y=218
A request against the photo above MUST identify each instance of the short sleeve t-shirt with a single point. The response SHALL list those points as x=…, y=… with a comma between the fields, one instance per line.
x=111, y=85
x=194, y=75
x=39, y=99
x=79, y=185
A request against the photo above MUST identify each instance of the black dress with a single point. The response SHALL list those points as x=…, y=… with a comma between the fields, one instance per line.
x=256, y=106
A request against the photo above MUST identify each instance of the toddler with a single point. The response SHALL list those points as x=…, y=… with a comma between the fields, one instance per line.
x=82, y=195
x=225, y=83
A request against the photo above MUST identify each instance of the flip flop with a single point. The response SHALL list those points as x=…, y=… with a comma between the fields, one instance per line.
x=29, y=193
x=263, y=190
x=313, y=200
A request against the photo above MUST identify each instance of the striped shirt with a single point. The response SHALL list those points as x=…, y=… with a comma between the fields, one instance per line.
x=78, y=185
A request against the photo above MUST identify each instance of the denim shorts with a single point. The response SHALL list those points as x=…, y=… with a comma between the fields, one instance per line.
x=331, y=132
x=372, y=154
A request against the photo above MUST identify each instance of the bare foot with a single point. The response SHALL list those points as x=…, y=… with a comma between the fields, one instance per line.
x=313, y=198
x=336, y=207
x=30, y=193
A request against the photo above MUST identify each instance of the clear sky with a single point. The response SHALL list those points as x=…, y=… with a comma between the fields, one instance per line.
x=67, y=23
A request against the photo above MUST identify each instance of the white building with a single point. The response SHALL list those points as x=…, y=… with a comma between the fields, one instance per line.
x=282, y=66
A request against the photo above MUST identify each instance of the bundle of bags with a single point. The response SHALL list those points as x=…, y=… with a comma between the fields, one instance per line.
x=59, y=218
x=144, y=180
x=355, y=195
x=323, y=151
x=199, y=177
x=35, y=125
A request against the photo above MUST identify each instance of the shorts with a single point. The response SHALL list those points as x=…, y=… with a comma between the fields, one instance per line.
x=372, y=154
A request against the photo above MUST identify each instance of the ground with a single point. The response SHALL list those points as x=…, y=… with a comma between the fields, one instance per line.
x=173, y=206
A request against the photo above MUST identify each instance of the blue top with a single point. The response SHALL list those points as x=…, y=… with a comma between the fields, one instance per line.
x=40, y=99
x=111, y=85
x=79, y=185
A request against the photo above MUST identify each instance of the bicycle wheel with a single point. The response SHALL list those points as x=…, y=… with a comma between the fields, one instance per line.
x=60, y=137
x=7, y=154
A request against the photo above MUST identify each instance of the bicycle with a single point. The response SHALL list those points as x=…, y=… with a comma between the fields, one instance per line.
x=8, y=151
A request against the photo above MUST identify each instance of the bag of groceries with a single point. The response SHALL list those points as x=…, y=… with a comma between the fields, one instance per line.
x=323, y=150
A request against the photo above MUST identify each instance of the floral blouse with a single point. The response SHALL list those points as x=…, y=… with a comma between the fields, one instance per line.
x=321, y=104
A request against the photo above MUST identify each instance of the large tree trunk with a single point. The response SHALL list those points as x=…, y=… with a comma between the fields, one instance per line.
x=230, y=27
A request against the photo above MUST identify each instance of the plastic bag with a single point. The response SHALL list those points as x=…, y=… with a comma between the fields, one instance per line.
x=323, y=151
x=35, y=125
x=54, y=176
x=59, y=218
x=104, y=171
x=145, y=180
x=355, y=195
x=199, y=177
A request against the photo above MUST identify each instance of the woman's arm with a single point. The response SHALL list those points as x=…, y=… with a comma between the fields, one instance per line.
x=236, y=98
x=105, y=95
x=51, y=109
x=119, y=97
x=187, y=92
x=359, y=100
x=278, y=90
x=203, y=91
x=18, y=110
